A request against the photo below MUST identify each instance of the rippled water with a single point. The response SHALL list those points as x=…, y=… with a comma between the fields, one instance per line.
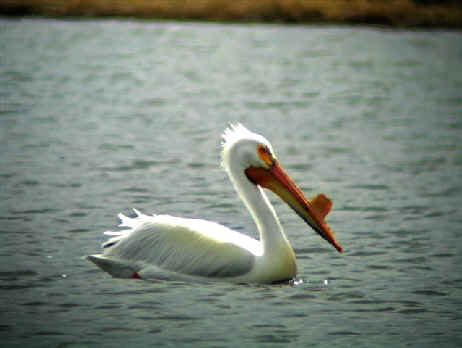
x=97, y=117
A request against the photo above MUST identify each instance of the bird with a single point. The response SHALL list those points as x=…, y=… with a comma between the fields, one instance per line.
x=208, y=250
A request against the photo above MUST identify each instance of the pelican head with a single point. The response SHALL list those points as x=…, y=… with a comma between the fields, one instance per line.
x=250, y=155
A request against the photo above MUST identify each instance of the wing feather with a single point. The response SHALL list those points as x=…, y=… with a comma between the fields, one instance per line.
x=189, y=246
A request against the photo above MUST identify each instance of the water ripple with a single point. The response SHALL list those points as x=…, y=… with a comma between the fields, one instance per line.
x=88, y=129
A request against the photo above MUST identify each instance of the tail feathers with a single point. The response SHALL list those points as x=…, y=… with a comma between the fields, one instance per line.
x=113, y=233
x=131, y=223
x=126, y=221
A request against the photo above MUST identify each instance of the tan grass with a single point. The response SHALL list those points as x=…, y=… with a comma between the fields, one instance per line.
x=389, y=12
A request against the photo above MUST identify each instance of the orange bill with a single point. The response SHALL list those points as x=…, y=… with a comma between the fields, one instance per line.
x=311, y=211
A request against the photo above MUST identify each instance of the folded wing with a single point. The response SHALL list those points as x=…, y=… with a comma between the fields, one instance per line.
x=189, y=246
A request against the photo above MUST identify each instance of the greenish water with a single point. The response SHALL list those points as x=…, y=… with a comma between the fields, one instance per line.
x=97, y=117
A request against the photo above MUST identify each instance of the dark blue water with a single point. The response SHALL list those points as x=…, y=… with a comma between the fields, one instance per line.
x=97, y=117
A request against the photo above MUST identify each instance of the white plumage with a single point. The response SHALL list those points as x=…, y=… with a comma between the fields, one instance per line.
x=202, y=248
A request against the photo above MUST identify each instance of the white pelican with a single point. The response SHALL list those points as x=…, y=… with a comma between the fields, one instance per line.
x=202, y=248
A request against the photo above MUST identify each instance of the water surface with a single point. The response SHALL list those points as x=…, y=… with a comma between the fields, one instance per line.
x=97, y=117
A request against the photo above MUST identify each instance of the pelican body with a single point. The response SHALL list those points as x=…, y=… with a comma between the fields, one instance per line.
x=206, y=249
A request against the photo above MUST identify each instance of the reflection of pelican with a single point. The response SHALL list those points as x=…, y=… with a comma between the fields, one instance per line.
x=207, y=249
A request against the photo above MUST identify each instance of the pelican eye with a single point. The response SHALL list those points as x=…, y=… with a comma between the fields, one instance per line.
x=265, y=154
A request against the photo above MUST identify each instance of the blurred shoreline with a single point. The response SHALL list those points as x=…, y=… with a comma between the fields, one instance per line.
x=392, y=13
